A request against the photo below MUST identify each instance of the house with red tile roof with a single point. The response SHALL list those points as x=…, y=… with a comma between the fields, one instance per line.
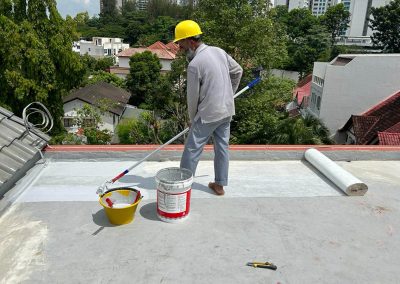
x=350, y=84
x=301, y=96
x=378, y=125
x=166, y=54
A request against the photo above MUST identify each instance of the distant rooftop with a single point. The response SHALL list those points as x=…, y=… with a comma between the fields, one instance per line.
x=94, y=93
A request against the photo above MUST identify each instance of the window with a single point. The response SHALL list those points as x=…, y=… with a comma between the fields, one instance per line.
x=68, y=122
x=313, y=98
x=318, y=102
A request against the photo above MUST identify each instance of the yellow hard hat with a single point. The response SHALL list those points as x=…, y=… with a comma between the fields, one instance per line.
x=186, y=29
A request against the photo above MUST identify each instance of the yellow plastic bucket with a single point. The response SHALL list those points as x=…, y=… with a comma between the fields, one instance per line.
x=120, y=204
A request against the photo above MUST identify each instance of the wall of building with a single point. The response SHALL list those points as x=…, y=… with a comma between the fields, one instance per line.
x=110, y=120
x=91, y=49
x=355, y=87
x=165, y=64
x=359, y=14
x=318, y=82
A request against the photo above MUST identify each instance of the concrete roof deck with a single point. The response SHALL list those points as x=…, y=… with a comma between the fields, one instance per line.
x=278, y=210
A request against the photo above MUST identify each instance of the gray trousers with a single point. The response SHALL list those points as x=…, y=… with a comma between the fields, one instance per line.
x=199, y=134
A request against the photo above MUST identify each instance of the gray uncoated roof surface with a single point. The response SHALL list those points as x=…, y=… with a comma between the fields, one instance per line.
x=283, y=212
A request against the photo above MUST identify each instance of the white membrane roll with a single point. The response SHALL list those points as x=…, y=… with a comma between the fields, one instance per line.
x=339, y=176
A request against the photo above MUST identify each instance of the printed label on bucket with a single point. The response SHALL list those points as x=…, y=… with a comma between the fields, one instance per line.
x=171, y=203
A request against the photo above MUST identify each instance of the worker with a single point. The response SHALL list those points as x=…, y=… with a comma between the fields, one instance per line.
x=213, y=77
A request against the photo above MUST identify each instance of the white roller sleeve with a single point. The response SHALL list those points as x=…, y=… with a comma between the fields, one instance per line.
x=339, y=176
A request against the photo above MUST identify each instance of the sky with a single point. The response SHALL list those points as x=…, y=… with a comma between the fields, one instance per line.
x=72, y=7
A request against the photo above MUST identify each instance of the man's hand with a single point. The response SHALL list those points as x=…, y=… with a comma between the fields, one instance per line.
x=189, y=124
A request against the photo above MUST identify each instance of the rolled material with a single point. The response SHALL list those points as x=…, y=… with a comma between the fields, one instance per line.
x=348, y=183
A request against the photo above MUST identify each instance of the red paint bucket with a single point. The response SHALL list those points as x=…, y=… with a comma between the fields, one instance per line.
x=173, y=194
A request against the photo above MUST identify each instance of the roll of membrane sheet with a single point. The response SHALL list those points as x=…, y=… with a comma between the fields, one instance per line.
x=339, y=176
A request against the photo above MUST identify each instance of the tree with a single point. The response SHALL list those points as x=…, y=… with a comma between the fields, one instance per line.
x=258, y=112
x=143, y=77
x=82, y=18
x=336, y=19
x=299, y=22
x=385, y=23
x=161, y=29
x=102, y=76
x=297, y=131
x=37, y=63
x=244, y=29
x=19, y=10
x=315, y=46
x=89, y=119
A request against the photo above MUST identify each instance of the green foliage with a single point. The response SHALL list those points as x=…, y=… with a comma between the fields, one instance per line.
x=92, y=64
x=143, y=77
x=299, y=23
x=307, y=39
x=135, y=27
x=314, y=46
x=385, y=23
x=259, y=112
x=161, y=29
x=81, y=18
x=97, y=137
x=261, y=118
x=101, y=76
x=244, y=29
x=36, y=57
x=144, y=130
x=88, y=116
x=336, y=20
x=299, y=131
x=65, y=138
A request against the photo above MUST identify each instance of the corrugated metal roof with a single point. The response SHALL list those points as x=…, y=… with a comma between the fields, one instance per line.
x=19, y=149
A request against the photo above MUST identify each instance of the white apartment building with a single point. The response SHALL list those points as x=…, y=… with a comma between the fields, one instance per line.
x=359, y=32
x=350, y=84
x=100, y=47
x=292, y=4
x=319, y=7
x=298, y=4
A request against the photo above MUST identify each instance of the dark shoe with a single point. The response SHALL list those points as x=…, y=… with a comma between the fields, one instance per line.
x=218, y=189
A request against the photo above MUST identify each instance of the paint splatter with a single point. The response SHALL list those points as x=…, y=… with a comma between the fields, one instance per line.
x=21, y=248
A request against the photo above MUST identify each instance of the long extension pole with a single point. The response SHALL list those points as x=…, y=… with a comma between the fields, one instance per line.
x=103, y=187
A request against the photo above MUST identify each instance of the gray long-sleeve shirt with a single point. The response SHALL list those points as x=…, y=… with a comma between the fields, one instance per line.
x=212, y=79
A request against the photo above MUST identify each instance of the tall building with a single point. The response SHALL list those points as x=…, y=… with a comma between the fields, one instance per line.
x=319, y=7
x=298, y=4
x=292, y=4
x=359, y=15
x=118, y=4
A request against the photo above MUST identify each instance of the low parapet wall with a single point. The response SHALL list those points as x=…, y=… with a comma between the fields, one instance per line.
x=237, y=152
